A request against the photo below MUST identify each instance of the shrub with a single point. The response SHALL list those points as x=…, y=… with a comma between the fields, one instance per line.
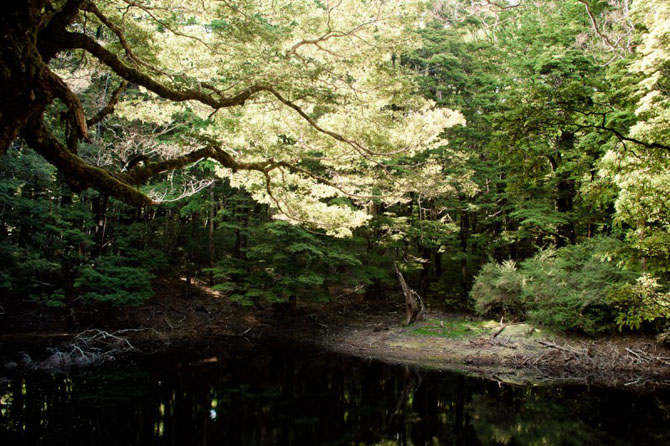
x=497, y=291
x=639, y=302
x=575, y=288
x=568, y=288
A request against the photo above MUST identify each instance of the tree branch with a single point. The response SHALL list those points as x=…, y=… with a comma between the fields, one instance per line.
x=54, y=24
x=90, y=7
x=82, y=41
x=109, y=108
x=360, y=149
x=78, y=174
x=165, y=24
x=141, y=174
x=594, y=24
x=79, y=40
x=621, y=137
x=502, y=7
x=72, y=102
x=212, y=150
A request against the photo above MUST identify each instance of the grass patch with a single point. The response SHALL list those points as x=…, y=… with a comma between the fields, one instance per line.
x=452, y=329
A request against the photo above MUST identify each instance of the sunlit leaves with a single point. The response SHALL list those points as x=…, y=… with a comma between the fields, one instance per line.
x=338, y=63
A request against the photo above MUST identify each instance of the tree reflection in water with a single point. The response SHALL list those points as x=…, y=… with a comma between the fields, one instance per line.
x=286, y=399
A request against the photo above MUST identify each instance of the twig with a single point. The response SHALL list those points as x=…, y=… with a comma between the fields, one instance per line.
x=634, y=354
x=558, y=347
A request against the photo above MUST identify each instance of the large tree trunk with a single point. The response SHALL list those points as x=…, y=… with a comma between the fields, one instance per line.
x=212, y=252
x=464, y=235
x=565, y=194
x=24, y=81
x=33, y=33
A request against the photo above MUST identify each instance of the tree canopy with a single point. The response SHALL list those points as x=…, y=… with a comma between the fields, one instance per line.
x=298, y=102
x=509, y=157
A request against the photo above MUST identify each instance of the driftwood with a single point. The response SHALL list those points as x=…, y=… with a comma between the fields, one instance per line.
x=604, y=360
x=413, y=302
x=89, y=347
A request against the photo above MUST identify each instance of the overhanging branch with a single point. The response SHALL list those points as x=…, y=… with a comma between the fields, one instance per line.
x=621, y=137
x=82, y=41
x=79, y=174
x=140, y=174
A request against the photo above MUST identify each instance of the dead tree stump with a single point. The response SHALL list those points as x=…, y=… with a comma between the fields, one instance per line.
x=413, y=302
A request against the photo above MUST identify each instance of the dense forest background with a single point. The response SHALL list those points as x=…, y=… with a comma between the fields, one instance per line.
x=555, y=206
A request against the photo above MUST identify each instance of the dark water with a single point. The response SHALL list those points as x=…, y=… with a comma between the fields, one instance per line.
x=289, y=399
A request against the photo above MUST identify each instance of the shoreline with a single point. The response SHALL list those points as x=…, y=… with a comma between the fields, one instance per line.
x=516, y=353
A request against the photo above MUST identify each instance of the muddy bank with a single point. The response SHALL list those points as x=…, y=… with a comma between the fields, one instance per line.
x=206, y=323
x=511, y=353
x=517, y=354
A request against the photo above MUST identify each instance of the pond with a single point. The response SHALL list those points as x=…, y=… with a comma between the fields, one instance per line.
x=289, y=398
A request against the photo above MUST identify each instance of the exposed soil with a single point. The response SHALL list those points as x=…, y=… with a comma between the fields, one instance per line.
x=207, y=320
x=510, y=353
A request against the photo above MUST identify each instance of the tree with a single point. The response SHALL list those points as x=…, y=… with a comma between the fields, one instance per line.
x=284, y=263
x=457, y=71
x=298, y=103
x=638, y=165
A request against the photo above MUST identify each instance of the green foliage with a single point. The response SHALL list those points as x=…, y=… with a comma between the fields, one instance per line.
x=285, y=262
x=49, y=250
x=497, y=291
x=532, y=171
x=43, y=231
x=108, y=280
x=640, y=302
x=568, y=289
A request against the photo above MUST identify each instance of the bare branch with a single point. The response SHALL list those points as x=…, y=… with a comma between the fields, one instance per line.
x=109, y=108
x=189, y=189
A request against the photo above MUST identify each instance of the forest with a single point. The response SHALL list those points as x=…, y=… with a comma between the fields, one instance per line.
x=512, y=158
x=233, y=205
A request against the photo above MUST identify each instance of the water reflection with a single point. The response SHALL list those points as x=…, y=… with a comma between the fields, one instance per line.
x=283, y=399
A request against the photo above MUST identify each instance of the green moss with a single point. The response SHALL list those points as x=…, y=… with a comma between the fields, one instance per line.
x=452, y=329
